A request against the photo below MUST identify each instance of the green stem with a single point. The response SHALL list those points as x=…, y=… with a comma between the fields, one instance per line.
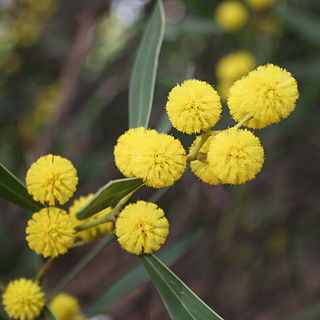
x=110, y=217
x=81, y=265
x=193, y=155
x=44, y=269
x=243, y=121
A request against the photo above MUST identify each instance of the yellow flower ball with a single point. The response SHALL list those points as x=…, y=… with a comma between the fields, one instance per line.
x=52, y=179
x=94, y=232
x=231, y=15
x=23, y=299
x=235, y=65
x=142, y=227
x=260, y=4
x=159, y=160
x=269, y=93
x=203, y=169
x=236, y=156
x=50, y=232
x=65, y=306
x=125, y=148
x=193, y=106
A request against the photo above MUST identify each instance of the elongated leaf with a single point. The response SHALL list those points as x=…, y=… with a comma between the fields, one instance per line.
x=180, y=301
x=47, y=314
x=137, y=275
x=109, y=195
x=13, y=190
x=305, y=24
x=143, y=76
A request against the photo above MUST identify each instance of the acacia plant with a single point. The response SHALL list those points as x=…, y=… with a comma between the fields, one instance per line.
x=146, y=158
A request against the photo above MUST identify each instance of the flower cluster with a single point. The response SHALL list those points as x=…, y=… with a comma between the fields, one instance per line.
x=231, y=67
x=51, y=180
x=23, y=299
x=232, y=15
x=66, y=307
x=157, y=158
x=142, y=227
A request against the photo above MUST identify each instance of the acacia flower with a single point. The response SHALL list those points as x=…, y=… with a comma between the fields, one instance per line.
x=193, y=106
x=268, y=93
x=234, y=65
x=50, y=232
x=141, y=227
x=159, y=160
x=231, y=15
x=203, y=169
x=23, y=299
x=51, y=179
x=260, y=4
x=236, y=156
x=93, y=232
x=65, y=307
x=125, y=148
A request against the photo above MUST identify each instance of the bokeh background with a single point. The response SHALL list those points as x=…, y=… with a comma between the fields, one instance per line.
x=64, y=73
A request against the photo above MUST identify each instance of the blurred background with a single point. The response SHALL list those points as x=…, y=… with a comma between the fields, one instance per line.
x=65, y=68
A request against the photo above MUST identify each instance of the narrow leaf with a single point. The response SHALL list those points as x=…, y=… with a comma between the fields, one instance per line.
x=180, y=301
x=304, y=24
x=143, y=76
x=137, y=275
x=109, y=195
x=13, y=190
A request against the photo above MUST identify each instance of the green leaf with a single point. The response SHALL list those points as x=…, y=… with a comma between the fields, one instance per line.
x=137, y=275
x=13, y=190
x=305, y=24
x=143, y=76
x=47, y=314
x=180, y=301
x=109, y=195
x=164, y=125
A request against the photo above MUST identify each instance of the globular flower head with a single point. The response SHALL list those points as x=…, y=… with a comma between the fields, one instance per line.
x=65, y=307
x=142, y=227
x=231, y=15
x=50, y=232
x=52, y=179
x=201, y=167
x=125, y=148
x=23, y=299
x=93, y=232
x=260, y=4
x=235, y=65
x=236, y=156
x=193, y=106
x=268, y=93
x=159, y=160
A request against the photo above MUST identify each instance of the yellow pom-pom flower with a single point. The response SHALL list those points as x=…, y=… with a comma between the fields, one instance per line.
x=50, y=232
x=65, y=307
x=260, y=4
x=202, y=168
x=52, y=179
x=93, y=232
x=142, y=227
x=236, y=156
x=193, y=106
x=231, y=15
x=268, y=93
x=23, y=299
x=160, y=160
x=235, y=65
x=125, y=148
